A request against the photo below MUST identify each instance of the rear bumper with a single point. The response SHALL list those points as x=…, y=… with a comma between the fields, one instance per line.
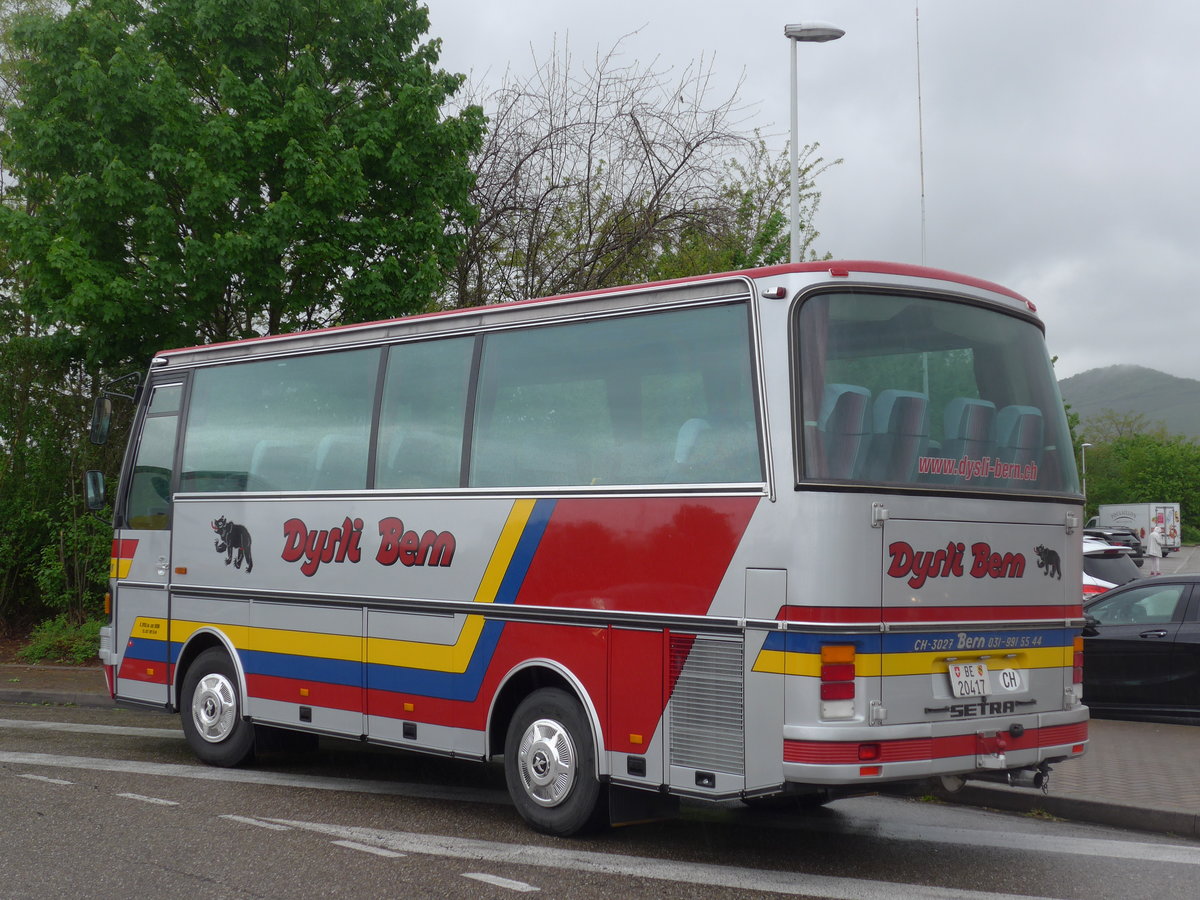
x=858, y=754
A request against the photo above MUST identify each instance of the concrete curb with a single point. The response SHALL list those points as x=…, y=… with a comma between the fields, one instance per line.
x=1077, y=809
x=56, y=698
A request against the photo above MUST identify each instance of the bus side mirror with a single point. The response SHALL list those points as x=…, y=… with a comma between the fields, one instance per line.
x=101, y=421
x=93, y=489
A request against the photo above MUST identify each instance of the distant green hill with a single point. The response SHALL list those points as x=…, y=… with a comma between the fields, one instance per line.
x=1161, y=398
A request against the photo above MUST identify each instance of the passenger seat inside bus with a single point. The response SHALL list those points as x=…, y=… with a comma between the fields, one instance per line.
x=1019, y=435
x=341, y=464
x=691, y=443
x=967, y=430
x=279, y=466
x=900, y=433
x=720, y=451
x=421, y=459
x=844, y=429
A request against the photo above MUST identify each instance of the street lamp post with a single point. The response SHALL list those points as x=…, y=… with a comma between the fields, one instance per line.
x=809, y=32
x=1083, y=457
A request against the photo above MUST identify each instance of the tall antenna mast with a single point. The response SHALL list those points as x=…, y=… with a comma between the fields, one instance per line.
x=920, y=129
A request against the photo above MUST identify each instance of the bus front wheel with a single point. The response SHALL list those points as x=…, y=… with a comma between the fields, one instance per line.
x=550, y=764
x=211, y=711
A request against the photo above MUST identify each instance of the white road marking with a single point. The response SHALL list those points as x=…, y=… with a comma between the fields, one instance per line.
x=46, y=779
x=796, y=884
x=79, y=728
x=245, y=776
x=519, y=886
x=1112, y=849
x=246, y=820
x=157, y=801
x=367, y=848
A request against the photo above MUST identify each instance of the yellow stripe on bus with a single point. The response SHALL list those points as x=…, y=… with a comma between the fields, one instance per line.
x=870, y=665
x=453, y=658
x=925, y=663
x=182, y=630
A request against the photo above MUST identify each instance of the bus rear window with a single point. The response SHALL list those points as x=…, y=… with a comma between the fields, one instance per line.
x=917, y=391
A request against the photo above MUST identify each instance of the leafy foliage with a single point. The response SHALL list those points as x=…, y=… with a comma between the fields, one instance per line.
x=183, y=171
x=1146, y=467
x=59, y=640
x=71, y=572
x=198, y=170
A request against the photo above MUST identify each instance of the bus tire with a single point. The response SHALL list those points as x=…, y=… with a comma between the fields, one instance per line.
x=211, y=711
x=550, y=765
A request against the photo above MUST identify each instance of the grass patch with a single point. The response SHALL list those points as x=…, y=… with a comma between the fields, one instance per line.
x=1040, y=813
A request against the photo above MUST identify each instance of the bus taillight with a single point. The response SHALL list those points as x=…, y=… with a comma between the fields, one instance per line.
x=1077, y=663
x=837, y=681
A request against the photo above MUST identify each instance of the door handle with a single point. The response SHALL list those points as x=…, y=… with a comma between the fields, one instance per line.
x=1153, y=634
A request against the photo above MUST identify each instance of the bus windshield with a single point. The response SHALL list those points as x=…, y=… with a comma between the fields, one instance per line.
x=921, y=392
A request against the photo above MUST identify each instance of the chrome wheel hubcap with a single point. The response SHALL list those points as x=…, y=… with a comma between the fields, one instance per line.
x=214, y=708
x=546, y=762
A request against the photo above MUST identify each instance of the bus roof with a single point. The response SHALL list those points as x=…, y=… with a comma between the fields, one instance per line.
x=835, y=268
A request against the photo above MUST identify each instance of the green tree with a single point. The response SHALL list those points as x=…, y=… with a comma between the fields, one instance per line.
x=1131, y=461
x=198, y=170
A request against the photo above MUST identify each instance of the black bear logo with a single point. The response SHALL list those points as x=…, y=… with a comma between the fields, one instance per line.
x=1049, y=560
x=231, y=537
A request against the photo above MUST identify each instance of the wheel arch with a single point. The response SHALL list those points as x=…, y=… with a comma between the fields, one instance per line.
x=199, y=641
x=522, y=681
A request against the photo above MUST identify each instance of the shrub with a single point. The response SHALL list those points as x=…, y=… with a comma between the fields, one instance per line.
x=57, y=640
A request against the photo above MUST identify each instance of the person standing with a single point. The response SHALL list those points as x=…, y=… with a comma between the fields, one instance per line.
x=1154, y=550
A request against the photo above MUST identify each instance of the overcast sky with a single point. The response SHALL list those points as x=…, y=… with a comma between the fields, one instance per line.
x=1060, y=137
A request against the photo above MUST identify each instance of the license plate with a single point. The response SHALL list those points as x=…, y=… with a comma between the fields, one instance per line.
x=969, y=680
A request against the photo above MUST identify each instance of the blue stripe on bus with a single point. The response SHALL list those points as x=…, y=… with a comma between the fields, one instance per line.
x=405, y=679
x=924, y=642
x=150, y=650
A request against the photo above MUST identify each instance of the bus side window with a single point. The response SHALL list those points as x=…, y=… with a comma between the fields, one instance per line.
x=281, y=424
x=623, y=400
x=423, y=414
x=148, y=501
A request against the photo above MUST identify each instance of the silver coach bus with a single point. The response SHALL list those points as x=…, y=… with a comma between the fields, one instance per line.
x=786, y=533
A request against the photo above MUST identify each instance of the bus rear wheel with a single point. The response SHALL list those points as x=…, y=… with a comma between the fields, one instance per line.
x=550, y=765
x=211, y=711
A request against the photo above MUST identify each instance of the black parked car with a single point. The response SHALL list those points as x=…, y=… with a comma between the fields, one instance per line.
x=1141, y=649
x=1119, y=535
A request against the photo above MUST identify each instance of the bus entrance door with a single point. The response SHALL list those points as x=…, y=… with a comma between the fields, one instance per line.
x=140, y=645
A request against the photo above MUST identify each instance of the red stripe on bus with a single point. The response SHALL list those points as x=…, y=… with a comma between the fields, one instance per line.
x=856, y=615
x=637, y=554
x=124, y=548
x=292, y=690
x=845, y=753
x=147, y=672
